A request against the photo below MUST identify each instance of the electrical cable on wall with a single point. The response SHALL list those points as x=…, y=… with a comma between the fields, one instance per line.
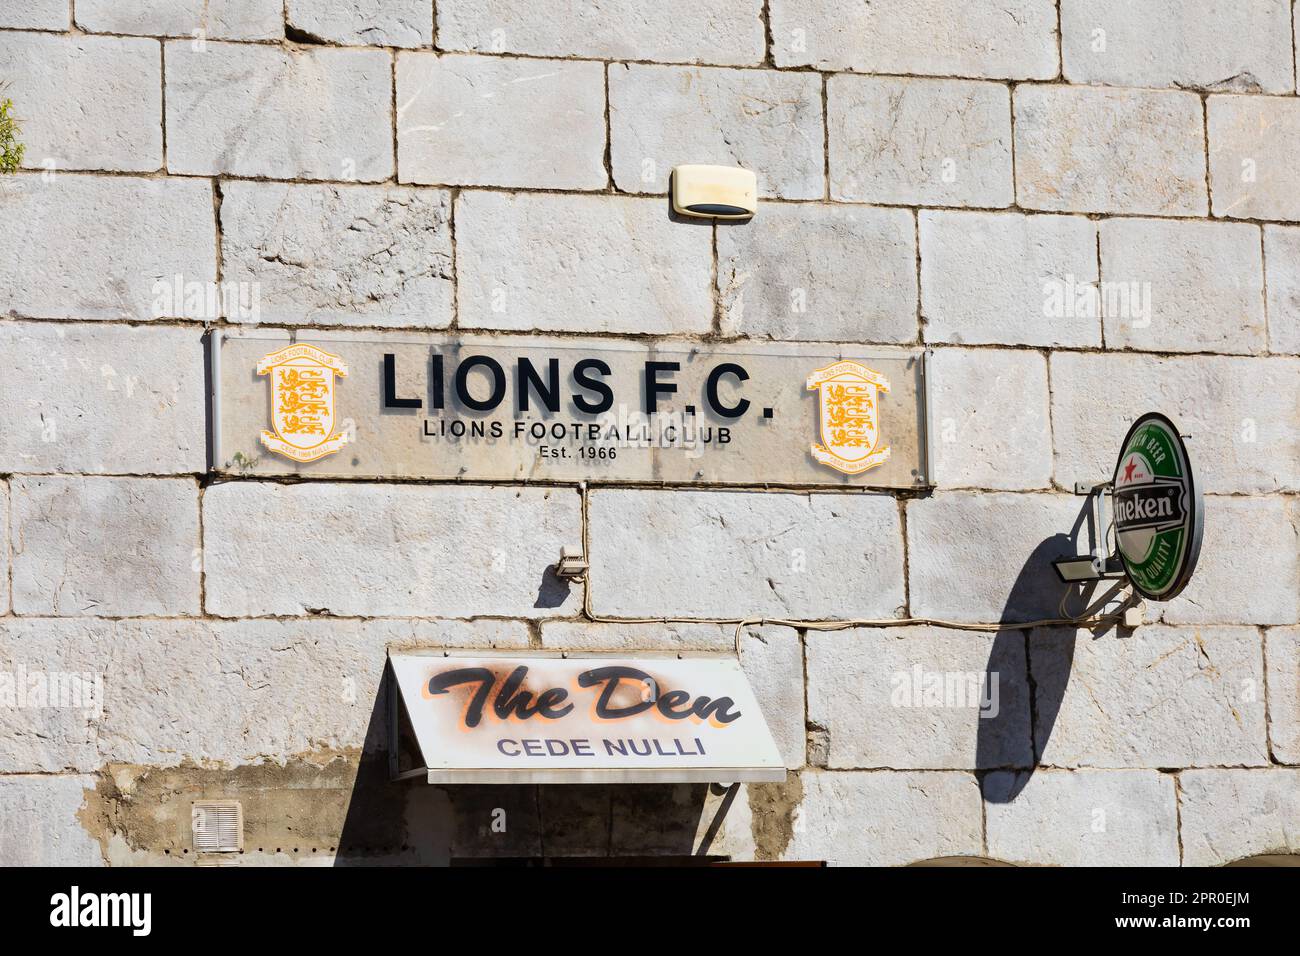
x=1086, y=618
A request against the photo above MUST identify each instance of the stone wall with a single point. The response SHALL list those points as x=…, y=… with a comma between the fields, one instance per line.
x=933, y=173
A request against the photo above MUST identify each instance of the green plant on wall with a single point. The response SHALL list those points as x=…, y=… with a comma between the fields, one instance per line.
x=11, y=151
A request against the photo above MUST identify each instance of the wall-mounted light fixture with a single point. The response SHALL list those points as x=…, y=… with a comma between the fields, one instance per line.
x=714, y=192
x=572, y=564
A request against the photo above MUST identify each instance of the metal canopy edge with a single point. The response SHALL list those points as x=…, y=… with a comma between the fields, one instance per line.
x=702, y=775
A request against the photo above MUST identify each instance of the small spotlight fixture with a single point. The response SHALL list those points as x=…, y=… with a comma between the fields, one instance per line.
x=572, y=565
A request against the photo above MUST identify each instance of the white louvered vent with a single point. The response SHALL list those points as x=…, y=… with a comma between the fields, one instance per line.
x=218, y=826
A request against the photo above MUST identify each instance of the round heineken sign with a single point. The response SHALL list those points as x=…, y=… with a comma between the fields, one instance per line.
x=1158, y=509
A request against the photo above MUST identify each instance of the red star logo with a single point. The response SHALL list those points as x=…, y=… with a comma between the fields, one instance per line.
x=1128, y=472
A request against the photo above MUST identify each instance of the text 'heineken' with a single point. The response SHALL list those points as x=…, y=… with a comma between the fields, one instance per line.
x=1158, y=509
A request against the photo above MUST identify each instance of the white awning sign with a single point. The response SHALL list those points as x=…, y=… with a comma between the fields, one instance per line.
x=482, y=718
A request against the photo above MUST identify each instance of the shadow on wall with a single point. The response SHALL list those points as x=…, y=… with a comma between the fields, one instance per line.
x=553, y=591
x=960, y=861
x=409, y=821
x=1004, y=739
x=1268, y=859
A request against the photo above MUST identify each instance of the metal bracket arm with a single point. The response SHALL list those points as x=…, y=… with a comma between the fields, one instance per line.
x=1101, y=563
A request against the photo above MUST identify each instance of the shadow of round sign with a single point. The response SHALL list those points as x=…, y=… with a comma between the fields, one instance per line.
x=1159, y=512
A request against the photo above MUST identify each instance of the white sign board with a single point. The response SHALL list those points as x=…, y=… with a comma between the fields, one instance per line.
x=483, y=718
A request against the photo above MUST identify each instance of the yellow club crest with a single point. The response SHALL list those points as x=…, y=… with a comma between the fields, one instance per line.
x=302, y=402
x=850, y=417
